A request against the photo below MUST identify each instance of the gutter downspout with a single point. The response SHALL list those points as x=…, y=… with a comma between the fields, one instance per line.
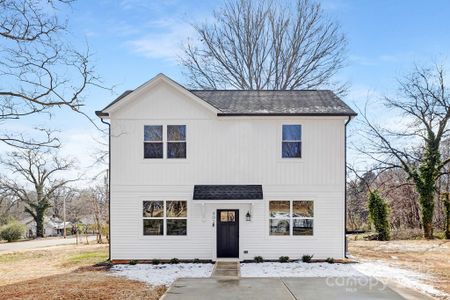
x=109, y=184
x=345, y=187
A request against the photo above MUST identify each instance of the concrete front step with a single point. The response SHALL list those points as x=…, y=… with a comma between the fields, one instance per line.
x=226, y=269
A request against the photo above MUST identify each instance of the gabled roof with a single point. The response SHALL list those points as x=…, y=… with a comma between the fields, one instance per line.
x=291, y=102
x=252, y=103
x=227, y=192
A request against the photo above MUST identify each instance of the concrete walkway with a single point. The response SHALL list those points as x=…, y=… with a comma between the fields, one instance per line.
x=280, y=288
x=226, y=270
x=40, y=243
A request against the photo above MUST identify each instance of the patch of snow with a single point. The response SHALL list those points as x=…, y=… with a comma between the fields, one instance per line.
x=375, y=269
x=408, y=278
x=297, y=269
x=163, y=274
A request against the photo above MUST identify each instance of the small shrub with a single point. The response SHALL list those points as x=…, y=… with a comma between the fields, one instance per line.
x=259, y=259
x=379, y=215
x=283, y=259
x=132, y=262
x=330, y=260
x=174, y=261
x=307, y=258
x=156, y=261
x=12, y=231
x=196, y=261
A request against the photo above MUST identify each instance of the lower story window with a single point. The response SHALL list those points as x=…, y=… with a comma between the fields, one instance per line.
x=291, y=217
x=165, y=217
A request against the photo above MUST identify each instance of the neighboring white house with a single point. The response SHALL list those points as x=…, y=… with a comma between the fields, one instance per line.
x=226, y=173
x=53, y=226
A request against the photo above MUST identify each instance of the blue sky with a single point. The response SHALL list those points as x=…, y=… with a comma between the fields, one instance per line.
x=133, y=40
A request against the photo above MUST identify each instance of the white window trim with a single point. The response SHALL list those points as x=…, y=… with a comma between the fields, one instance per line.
x=154, y=142
x=293, y=141
x=164, y=159
x=170, y=141
x=164, y=218
x=291, y=218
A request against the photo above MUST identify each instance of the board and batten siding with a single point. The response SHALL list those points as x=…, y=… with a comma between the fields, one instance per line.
x=223, y=150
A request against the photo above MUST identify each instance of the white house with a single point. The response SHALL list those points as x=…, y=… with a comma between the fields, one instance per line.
x=226, y=173
x=53, y=226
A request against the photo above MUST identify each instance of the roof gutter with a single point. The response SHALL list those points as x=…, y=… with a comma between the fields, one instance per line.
x=102, y=114
x=345, y=187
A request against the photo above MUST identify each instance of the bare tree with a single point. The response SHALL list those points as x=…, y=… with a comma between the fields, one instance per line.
x=36, y=181
x=416, y=147
x=99, y=208
x=257, y=45
x=39, y=68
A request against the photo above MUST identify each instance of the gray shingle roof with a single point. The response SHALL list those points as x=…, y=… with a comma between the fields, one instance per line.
x=266, y=102
x=227, y=192
x=296, y=102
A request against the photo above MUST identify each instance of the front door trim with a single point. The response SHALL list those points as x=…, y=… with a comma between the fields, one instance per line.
x=227, y=247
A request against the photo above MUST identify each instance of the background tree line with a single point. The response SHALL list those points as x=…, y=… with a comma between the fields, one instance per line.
x=408, y=162
x=40, y=188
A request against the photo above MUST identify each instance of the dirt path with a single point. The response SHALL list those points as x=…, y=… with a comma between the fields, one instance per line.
x=66, y=272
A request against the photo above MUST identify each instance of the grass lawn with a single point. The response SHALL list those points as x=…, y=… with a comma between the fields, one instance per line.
x=428, y=257
x=66, y=272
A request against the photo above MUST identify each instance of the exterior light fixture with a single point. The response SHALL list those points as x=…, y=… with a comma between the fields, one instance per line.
x=248, y=217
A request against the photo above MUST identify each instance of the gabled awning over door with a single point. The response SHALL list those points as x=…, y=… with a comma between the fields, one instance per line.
x=228, y=192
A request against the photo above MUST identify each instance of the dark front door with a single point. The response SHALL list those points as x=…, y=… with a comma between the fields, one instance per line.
x=227, y=233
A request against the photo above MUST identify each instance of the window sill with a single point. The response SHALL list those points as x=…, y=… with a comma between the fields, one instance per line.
x=293, y=237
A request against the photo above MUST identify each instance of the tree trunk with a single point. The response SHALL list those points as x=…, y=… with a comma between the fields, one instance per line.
x=427, y=204
x=39, y=223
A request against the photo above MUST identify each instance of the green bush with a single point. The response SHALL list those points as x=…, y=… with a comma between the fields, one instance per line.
x=283, y=259
x=132, y=262
x=259, y=259
x=330, y=260
x=446, y=199
x=196, y=261
x=306, y=258
x=156, y=261
x=174, y=261
x=379, y=215
x=12, y=231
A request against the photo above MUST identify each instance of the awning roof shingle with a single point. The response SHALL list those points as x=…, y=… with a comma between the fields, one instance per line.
x=227, y=192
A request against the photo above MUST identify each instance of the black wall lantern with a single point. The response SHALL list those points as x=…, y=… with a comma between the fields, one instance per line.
x=248, y=217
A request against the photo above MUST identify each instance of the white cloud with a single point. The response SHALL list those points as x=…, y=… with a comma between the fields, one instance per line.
x=166, y=40
x=84, y=146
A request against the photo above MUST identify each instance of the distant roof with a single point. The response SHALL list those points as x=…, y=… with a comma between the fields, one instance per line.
x=227, y=192
x=263, y=102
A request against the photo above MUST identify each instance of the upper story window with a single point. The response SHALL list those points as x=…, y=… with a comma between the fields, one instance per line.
x=291, y=145
x=153, y=141
x=176, y=141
